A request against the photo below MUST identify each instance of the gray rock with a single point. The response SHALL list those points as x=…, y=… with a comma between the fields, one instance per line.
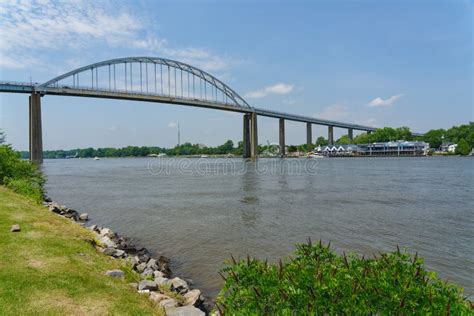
x=192, y=297
x=119, y=253
x=72, y=214
x=133, y=260
x=109, y=251
x=168, y=303
x=184, y=311
x=104, y=240
x=159, y=274
x=158, y=297
x=152, y=264
x=161, y=281
x=147, y=285
x=143, y=291
x=56, y=208
x=147, y=273
x=84, y=217
x=107, y=232
x=141, y=267
x=115, y=273
x=144, y=258
x=15, y=228
x=179, y=285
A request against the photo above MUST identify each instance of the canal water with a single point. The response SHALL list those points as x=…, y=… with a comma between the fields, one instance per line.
x=200, y=211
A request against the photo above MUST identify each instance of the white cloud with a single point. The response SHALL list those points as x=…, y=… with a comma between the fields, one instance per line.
x=387, y=102
x=31, y=29
x=289, y=101
x=279, y=88
x=333, y=112
x=172, y=124
x=368, y=122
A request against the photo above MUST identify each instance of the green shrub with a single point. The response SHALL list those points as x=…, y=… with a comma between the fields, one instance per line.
x=463, y=147
x=317, y=281
x=20, y=175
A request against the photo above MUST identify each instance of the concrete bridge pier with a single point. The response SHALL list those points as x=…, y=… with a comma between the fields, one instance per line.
x=309, y=136
x=36, y=137
x=331, y=135
x=253, y=136
x=282, y=138
x=350, y=133
x=246, y=137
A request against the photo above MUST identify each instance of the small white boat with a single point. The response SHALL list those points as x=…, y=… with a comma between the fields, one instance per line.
x=96, y=158
x=315, y=156
x=204, y=156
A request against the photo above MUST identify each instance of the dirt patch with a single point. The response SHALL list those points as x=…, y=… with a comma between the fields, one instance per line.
x=43, y=263
x=57, y=302
x=44, y=225
x=36, y=264
x=34, y=234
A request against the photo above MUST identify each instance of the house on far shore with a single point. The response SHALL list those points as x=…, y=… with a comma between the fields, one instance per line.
x=452, y=148
x=444, y=147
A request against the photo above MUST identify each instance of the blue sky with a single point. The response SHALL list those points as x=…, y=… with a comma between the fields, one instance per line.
x=378, y=63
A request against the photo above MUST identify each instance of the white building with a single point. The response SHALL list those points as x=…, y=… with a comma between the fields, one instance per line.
x=452, y=148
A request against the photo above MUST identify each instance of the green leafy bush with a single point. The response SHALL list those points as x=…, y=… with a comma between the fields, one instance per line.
x=20, y=175
x=317, y=281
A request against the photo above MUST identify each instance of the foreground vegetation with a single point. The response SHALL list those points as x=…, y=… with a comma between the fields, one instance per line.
x=19, y=175
x=317, y=281
x=50, y=267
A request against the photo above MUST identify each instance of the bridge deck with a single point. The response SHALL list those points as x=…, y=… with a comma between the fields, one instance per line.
x=19, y=87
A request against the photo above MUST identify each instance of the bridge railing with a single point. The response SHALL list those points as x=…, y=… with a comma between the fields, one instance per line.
x=123, y=92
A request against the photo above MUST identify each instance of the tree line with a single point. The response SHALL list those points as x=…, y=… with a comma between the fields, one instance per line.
x=463, y=135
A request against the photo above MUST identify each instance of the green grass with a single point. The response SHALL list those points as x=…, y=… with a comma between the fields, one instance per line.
x=50, y=267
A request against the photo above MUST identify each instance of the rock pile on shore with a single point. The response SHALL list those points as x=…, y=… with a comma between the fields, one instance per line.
x=173, y=294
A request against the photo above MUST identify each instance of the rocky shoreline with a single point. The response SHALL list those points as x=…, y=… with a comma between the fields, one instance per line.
x=174, y=294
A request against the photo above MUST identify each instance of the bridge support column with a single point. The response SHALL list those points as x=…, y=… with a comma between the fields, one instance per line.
x=331, y=135
x=36, y=137
x=282, y=138
x=246, y=137
x=350, y=134
x=309, y=137
x=253, y=136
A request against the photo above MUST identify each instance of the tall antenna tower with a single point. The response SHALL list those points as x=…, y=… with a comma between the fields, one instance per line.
x=179, y=136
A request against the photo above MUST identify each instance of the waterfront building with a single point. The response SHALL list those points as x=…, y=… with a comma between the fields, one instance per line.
x=444, y=147
x=398, y=148
x=452, y=148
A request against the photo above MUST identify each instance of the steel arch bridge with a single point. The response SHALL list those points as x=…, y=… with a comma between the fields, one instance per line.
x=161, y=80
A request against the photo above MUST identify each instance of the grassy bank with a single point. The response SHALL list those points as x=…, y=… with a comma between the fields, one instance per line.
x=51, y=268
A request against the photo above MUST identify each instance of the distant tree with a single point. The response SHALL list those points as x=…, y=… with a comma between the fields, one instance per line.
x=225, y=148
x=361, y=139
x=292, y=148
x=404, y=133
x=435, y=137
x=343, y=140
x=321, y=141
x=463, y=147
x=2, y=137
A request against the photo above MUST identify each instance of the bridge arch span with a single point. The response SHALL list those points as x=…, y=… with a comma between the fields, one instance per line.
x=149, y=76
